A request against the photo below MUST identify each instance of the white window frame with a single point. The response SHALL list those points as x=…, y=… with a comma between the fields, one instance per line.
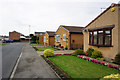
x=44, y=38
x=58, y=38
x=47, y=38
x=64, y=37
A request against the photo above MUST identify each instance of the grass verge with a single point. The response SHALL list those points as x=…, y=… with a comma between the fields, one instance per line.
x=36, y=45
x=4, y=44
x=44, y=48
x=79, y=68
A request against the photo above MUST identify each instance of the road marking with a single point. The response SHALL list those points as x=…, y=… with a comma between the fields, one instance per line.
x=14, y=69
x=13, y=73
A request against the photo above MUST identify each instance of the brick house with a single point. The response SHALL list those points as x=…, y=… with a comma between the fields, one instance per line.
x=39, y=33
x=49, y=38
x=103, y=33
x=41, y=37
x=69, y=36
x=15, y=35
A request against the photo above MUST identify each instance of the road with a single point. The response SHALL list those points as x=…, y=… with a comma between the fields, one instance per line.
x=10, y=54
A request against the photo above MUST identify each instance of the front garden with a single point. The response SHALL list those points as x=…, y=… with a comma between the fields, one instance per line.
x=80, y=64
x=80, y=68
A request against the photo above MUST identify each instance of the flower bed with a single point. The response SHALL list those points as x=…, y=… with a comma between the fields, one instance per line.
x=95, y=61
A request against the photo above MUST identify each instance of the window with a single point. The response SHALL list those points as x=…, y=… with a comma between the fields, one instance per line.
x=90, y=39
x=100, y=37
x=44, y=38
x=95, y=37
x=108, y=37
x=47, y=38
x=64, y=37
x=73, y=41
x=58, y=38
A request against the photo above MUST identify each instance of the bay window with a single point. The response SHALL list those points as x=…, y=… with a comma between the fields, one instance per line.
x=101, y=36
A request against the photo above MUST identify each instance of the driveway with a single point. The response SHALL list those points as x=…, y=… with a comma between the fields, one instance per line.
x=58, y=52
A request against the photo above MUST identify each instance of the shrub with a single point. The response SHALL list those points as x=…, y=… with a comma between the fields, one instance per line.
x=89, y=51
x=48, y=53
x=59, y=45
x=113, y=76
x=96, y=54
x=78, y=52
x=117, y=59
x=16, y=40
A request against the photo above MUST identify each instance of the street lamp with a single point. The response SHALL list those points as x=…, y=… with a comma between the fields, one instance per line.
x=29, y=34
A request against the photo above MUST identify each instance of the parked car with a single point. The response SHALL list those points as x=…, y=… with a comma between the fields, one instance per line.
x=7, y=41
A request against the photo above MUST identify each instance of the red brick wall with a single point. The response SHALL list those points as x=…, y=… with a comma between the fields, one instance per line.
x=14, y=36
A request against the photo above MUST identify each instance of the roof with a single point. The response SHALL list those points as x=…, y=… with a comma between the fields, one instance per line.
x=39, y=32
x=73, y=29
x=112, y=5
x=19, y=33
x=50, y=33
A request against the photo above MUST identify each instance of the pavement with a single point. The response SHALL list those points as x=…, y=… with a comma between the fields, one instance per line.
x=31, y=65
x=9, y=56
x=58, y=52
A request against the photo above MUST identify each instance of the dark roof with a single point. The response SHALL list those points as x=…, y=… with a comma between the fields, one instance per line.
x=112, y=5
x=73, y=29
x=50, y=33
x=103, y=27
x=39, y=32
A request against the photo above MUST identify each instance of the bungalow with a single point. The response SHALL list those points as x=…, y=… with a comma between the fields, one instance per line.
x=49, y=38
x=41, y=37
x=70, y=37
x=103, y=33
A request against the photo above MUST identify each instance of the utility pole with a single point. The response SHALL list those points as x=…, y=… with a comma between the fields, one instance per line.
x=29, y=34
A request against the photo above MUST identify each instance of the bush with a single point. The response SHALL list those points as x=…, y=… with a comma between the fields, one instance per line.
x=96, y=54
x=16, y=40
x=89, y=51
x=48, y=53
x=78, y=52
x=117, y=59
x=113, y=76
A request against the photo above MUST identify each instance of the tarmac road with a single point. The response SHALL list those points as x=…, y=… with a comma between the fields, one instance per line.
x=10, y=54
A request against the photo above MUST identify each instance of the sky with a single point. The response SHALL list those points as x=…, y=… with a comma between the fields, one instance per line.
x=47, y=15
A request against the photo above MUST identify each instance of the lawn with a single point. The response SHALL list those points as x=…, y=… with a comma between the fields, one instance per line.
x=44, y=48
x=79, y=68
x=36, y=45
x=4, y=44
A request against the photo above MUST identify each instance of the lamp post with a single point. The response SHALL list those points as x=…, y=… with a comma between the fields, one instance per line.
x=29, y=34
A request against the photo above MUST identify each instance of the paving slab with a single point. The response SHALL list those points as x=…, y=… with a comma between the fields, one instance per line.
x=58, y=52
x=32, y=65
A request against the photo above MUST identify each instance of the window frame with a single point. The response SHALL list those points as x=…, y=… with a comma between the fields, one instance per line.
x=65, y=37
x=104, y=34
x=44, y=38
x=57, y=40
